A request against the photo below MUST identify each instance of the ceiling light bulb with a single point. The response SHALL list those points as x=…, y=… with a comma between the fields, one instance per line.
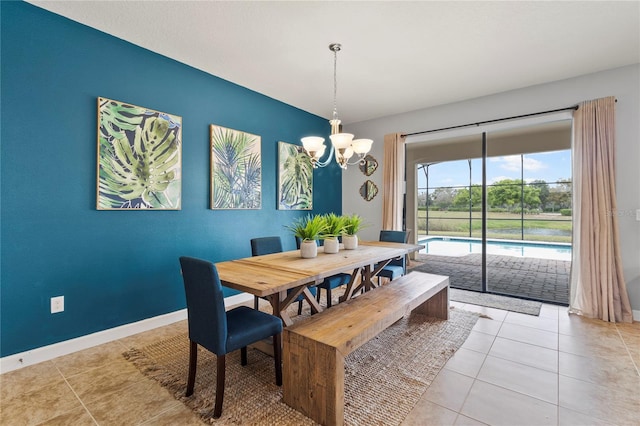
x=348, y=153
x=341, y=140
x=361, y=146
x=313, y=143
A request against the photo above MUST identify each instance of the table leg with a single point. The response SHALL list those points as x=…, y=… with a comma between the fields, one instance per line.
x=375, y=273
x=350, y=290
x=315, y=306
x=279, y=307
x=366, y=280
x=368, y=285
x=281, y=301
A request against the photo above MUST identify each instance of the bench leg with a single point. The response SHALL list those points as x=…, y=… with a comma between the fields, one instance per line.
x=313, y=379
x=436, y=306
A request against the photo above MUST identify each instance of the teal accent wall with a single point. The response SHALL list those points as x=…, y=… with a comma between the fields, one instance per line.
x=116, y=267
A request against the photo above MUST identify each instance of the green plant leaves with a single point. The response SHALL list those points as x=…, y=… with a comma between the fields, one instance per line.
x=296, y=178
x=353, y=223
x=313, y=227
x=236, y=169
x=310, y=227
x=335, y=225
x=139, y=158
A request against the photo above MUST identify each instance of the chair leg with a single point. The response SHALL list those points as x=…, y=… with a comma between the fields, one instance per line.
x=277, y=355
x=243, y=355
x=318, y=293
x=217, y=411
x=300, y=307
x=193, y=363
x=255, y=302
x=329, y=297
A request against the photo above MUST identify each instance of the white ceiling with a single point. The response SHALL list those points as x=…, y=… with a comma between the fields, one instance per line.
x=396, y=56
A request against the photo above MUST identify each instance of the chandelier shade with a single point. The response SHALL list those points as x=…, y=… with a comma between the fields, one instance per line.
x=342, y=144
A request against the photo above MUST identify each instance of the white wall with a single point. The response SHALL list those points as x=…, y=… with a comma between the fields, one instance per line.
x=623, y=83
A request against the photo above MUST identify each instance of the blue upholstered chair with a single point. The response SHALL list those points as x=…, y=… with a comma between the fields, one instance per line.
x=268, y=245
x=222, y=332
x=397, y=267
x=329, y=283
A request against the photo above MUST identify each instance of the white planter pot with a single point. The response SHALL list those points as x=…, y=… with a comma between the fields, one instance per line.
x=331, y=245
x=350, y=242
x=308, y=249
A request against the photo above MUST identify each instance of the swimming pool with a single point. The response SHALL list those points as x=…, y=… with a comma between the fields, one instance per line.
x=451, y=246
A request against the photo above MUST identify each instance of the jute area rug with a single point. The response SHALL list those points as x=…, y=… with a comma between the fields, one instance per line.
x=383, y=378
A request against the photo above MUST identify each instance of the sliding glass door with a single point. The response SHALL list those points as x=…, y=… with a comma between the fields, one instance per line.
x=498, y=220
x=449, y=211
x=529, y=213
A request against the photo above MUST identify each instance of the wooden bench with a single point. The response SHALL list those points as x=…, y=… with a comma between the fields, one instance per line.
x=314, y=349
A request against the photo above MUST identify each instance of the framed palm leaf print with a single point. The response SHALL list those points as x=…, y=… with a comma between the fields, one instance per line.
x=236, y=169
x=295, y=178
x=139, y=158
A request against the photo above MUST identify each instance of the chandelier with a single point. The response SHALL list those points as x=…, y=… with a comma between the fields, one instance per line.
x=342, y=144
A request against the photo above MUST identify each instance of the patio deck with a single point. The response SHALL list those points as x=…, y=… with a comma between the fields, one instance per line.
x=540, y=279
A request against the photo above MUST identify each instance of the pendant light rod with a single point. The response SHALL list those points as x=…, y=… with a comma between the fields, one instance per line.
x=335, y=48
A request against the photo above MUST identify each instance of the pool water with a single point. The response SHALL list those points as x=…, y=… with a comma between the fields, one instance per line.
x=445, y=246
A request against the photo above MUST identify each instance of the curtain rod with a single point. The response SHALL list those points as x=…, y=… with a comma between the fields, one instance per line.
x=574, y=107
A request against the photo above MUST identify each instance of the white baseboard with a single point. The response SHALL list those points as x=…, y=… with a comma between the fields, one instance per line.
x=46, y=353
x=636, y=315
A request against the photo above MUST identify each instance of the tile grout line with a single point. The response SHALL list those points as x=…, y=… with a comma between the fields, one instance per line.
x=76, y=395
x=586, y=382
x=518, y=362
x=475, y=378
x=626, y=347
x=158, y=415
x=573, y=378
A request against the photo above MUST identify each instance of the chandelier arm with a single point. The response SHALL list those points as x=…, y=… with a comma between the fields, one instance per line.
x=360, y=160
x=327, y=161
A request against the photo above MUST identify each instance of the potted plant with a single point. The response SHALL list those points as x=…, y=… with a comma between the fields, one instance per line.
x=308, y=229
x=352, y=224
x=334, y=227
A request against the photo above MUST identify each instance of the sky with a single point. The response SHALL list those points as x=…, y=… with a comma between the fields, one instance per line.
x=547, y=166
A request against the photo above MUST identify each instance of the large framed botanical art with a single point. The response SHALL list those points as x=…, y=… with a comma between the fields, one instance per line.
x=295, y=178
x=236, y=169
x=139, y=158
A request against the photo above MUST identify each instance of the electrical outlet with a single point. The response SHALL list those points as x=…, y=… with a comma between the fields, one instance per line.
x=638, y=215
x=57, y=304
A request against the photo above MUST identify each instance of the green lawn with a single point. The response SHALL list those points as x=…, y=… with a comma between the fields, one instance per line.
x=457, y=224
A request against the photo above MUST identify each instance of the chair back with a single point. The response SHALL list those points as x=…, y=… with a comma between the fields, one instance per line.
x=265, y=245
x=205, y=304
x=393, y=236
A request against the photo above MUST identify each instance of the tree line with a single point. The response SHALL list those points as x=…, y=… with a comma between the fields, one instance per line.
x=509, y=195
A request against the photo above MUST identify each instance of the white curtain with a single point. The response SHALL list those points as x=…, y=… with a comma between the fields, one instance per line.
x=598, y=289
x=393, y=182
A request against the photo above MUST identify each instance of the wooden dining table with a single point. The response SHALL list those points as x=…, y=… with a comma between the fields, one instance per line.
x=282, y=277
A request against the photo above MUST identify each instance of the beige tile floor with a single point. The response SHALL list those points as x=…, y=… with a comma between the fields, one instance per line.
x=514, y=369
